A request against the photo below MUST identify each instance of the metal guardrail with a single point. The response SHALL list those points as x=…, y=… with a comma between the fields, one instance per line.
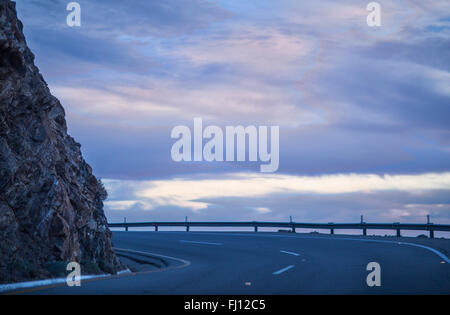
x=294, y=225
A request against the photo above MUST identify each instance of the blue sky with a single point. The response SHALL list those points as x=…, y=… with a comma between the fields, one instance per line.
x=364, y=113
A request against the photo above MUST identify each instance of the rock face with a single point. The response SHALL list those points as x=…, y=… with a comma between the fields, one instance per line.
x=51, y=205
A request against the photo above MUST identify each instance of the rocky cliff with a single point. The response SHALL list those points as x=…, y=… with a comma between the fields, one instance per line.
x=51, y=205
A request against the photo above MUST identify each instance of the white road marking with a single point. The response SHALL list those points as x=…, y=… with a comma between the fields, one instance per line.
x=430, y=249
x=184, y=262
x=41, y=283
x=438, y=253
x=290, y=253
x=205, y=243
x=283, y=270
x=125, y=272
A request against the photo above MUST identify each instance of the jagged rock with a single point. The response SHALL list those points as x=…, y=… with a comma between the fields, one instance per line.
x=51, y=205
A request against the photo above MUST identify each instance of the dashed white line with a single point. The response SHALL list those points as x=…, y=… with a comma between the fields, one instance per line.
x=197, y=242
x=438, y=253
x=290, y=253
x=283, y=270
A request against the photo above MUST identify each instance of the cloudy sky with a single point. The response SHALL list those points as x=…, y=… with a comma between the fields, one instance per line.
x=364, y=112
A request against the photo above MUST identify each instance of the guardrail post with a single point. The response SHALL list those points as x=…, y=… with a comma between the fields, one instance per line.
x=429, y=226
x=364, y=231
x=398, y=233
x=331, y=231
x=187, y=225
x=126, y=228
x=156, y=228
x=256, y=228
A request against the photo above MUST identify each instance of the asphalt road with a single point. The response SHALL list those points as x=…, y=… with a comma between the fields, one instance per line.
x=271, y=263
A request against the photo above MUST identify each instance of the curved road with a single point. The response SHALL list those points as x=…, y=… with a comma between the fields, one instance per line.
x=272, y=263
